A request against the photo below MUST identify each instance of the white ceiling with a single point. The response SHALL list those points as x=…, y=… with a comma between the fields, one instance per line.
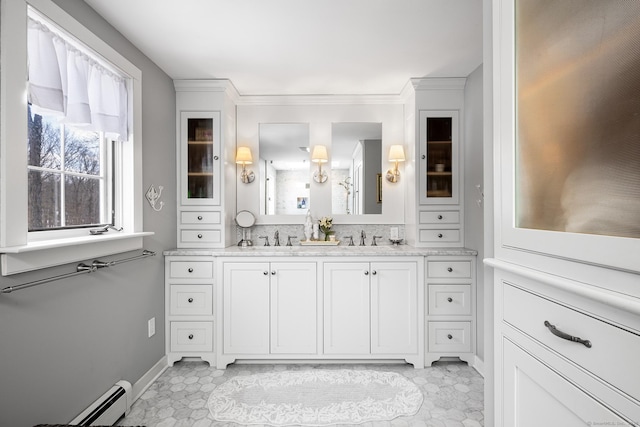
x=283, y=47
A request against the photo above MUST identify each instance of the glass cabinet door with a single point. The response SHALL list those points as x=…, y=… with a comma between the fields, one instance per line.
x=201, y=154
x=439, y=157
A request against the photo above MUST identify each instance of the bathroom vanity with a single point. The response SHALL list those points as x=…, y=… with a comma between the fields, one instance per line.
x=308, y=303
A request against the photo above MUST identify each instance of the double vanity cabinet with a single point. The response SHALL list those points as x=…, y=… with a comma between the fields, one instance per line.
x=329, y=304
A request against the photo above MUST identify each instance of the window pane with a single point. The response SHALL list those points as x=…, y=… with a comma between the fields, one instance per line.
x=82, y=201
x=44, y=200
x=81, y=151
x=43, y=141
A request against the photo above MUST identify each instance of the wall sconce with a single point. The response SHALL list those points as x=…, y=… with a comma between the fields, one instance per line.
x=396, y=154
x=243, y=157
x=320, y=156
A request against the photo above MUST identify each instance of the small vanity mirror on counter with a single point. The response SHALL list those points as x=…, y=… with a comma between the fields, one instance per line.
x=245, y=220
x=356, y=168
x=284, y=168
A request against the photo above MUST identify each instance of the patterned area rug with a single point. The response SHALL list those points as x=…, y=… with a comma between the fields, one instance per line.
x=315, y=398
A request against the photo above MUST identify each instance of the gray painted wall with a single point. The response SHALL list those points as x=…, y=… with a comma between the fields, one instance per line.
x=64, y=343
x=473, y=176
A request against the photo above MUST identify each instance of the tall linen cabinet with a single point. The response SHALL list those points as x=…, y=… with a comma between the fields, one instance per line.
x=205, y=155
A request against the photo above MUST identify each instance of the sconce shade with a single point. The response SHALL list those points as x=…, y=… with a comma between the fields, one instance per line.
x=243, y=156
x=319, y=154
x=396, y=153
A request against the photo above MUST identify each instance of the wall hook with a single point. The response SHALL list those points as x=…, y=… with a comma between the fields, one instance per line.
x=153, y=196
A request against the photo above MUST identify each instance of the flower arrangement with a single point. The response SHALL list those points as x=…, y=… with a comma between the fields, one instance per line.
x=326, y=222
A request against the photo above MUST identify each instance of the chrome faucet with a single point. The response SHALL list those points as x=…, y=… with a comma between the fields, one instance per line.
x=362, y=237
x=266, y=240
x=289, y=240
x=350, y=240
x=276, y=238
x=373, y=242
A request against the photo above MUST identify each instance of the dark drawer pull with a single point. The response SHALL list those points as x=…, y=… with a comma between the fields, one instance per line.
x=440, y=236
x=439, y=216
x=199, y=217
x=190, y=270
x=450, y=336
x=450, y=299
x=566, y=336
x=450, y=270
x=190, y=336
x=190, y=300
x=199, y=236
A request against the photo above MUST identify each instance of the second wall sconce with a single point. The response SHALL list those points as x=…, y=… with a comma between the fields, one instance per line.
x=319, y=156
x=396, y=154
x=243, y=157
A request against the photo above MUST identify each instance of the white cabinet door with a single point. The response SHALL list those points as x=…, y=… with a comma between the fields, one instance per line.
x=293, y=308
x=346, y=308
x=535, y=396
x=246, y=307
x=394, y=307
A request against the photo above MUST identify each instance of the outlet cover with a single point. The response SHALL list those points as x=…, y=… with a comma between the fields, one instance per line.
x=151, y=326
x=393, y=233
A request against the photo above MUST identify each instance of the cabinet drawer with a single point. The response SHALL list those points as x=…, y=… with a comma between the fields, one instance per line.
x=612, y=348
x=441, y=217
x=449, y=300
x=200, y=217
x=449, y=269
x=191, y=269
x=200, y=236
x=191, y=336
x=191, y=299
x=449, y=337
x=439, y=236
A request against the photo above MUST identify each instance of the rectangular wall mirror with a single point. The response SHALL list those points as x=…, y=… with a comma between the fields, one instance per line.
x=356, y=168
x=284, y=168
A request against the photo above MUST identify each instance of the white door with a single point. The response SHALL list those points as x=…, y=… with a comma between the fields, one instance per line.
x=346, y=308
x=293, y=308
x=394, y=308
x=246, y=307
x=535, y=396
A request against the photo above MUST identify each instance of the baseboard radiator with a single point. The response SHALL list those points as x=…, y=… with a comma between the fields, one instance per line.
x=108, y=408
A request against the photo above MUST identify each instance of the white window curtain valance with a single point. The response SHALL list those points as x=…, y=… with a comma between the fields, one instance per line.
x=69, y=83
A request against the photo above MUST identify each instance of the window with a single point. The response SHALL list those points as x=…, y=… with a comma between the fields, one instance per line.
x=69, y=175
x=82, y=129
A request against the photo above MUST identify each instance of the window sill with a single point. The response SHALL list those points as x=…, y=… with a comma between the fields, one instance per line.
x=51, y=253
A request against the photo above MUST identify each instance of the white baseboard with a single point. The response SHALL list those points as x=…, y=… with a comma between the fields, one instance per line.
x=149, y=377
x=478, y=365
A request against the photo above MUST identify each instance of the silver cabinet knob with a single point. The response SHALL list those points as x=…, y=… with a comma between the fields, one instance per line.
x=374, y=272
x=199, y=217
x=215, y=157
x=266, y=273
x=439, y=216
x=450, y=299
x=190, y=270
x=449, y=269
x=199, y=236
x=366, y=272
x=450, y=336
x=440, y=236
x=273, y=273
x=190, y=300
x=190, y=336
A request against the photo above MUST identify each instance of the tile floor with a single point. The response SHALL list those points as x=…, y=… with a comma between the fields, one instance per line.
x=453, y=394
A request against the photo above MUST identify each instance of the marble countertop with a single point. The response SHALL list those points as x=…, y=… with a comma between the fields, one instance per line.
x=328, y=251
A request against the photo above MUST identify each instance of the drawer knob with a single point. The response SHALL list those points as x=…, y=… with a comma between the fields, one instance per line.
x=199, y=236
x=450, y=336
x=190, y=336
x=424, y=157
x=215, y=157
x=190, y=300
x=199, y=217
x=440, y=236
x=450, y=299
x=439, y=216
x=450, y=270
x=374, y=272
x=266, y=273
x=190, y=270
x=273, y=273
x=366, y=272
x=566, y=336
